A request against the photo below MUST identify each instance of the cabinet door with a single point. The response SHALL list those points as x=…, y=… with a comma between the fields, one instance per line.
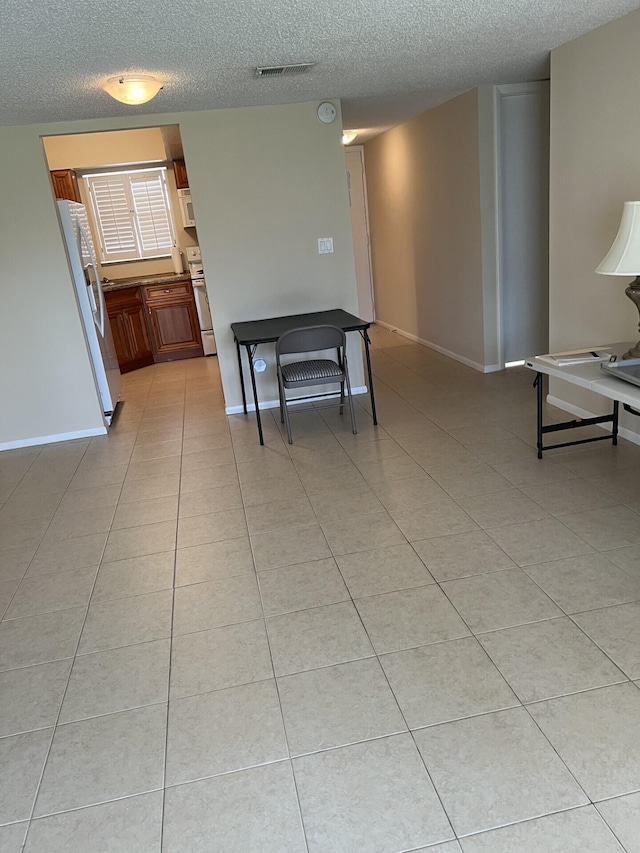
x=180, y=172
x=65, y=184
x=175, y=328
x=129, y=327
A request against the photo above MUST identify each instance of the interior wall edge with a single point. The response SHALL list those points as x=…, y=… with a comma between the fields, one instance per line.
x=51, y=439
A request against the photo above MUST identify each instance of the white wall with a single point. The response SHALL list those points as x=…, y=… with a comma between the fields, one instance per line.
x=267, y=182
x=47, y=387
x=423, y=180
x=595, y=167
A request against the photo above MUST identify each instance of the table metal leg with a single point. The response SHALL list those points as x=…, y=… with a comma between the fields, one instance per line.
x=538, y=384
x=250, y=353
x=574, y=424
x=244, y=396
x=370, y=374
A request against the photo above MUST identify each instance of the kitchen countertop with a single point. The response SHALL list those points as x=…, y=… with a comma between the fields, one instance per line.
x=137, y=281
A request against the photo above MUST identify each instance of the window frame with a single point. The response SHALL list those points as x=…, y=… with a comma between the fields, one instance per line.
x=138, y=253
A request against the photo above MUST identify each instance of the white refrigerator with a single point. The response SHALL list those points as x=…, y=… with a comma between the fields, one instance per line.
x=84, y=271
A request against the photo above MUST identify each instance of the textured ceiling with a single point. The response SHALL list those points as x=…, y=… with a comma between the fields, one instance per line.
x=387, y=59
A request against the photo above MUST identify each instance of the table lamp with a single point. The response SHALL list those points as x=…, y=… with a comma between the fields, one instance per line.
x=623, y=258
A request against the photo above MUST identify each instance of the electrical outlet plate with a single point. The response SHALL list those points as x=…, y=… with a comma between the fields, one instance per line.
x=325, y=245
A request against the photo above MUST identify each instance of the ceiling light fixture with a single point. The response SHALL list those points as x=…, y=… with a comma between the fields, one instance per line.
x=132, y=88
x=348, y=136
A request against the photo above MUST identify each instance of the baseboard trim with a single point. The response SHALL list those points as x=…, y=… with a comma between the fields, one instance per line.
x=481, y=368
x=630, y=435
x=52, y=439
x=274, y=404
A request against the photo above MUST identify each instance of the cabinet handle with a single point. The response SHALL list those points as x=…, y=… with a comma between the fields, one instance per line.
x=167, y=291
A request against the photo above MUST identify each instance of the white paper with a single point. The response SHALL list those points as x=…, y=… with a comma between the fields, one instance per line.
x=566, y=359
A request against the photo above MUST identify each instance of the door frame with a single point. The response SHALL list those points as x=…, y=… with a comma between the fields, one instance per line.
x=500, y=93
x=360, y=150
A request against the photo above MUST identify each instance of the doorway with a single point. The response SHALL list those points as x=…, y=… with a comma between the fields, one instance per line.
x=356, y=180
x=132, y=188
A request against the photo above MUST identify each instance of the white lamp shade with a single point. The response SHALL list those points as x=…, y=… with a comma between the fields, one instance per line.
x=623, y=258
x=132, y=88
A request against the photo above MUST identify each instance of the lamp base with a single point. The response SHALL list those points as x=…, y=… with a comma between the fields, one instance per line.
x=633, y=292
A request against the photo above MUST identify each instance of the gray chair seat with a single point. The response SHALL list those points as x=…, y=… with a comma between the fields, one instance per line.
x=310, y=371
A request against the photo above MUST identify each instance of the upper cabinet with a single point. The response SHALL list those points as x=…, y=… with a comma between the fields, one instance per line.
x=180, y=172
x=65, y=184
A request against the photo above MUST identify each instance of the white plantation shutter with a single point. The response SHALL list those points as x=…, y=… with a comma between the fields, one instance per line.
x=150, y=203
x=131, y=210
x=112, y=211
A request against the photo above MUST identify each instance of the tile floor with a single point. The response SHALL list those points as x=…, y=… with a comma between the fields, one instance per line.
x=416, y=638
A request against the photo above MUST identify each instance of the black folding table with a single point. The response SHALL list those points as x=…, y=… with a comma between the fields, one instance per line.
x=255, y=332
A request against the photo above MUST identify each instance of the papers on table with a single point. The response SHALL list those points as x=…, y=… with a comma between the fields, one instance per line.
x=566, y=359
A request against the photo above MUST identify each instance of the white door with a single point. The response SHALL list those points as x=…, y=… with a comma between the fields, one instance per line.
x=524, y=218
x=360, y=230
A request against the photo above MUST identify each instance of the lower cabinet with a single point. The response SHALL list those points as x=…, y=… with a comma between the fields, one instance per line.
x=153, y=323
x=174, y=321
x=126, y=312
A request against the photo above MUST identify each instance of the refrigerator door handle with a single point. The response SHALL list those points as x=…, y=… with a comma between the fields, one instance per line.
x=92, y=298
x=98, y=309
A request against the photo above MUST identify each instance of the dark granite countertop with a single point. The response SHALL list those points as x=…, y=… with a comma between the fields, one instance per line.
x=137, y=281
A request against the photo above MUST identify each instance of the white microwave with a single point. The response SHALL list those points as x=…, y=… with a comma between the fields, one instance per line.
x=186, y=208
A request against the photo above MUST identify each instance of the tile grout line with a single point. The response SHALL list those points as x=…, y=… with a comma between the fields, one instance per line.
x=57, y=723
x=171, y=636
x=73, y=659
x=277, y=686
x=6, y=609
x=401, y=712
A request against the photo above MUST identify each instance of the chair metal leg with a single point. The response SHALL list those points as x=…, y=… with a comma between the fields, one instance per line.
x=281, y=396
x=286, y=416
x=341, y=397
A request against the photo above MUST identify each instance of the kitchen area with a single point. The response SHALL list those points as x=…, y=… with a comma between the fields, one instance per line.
x=130, y=190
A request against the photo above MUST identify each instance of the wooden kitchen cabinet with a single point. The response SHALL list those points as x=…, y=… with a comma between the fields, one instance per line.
x=127, y=316
x=65, y=184
x=180, y=172
x=173, y=319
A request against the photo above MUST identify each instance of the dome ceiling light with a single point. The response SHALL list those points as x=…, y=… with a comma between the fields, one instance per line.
x=132, y=88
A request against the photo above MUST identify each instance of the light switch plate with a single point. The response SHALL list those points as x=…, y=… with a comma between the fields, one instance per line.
x=325, y=245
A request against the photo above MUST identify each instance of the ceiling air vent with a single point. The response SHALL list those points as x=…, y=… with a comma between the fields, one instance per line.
x=282, y=70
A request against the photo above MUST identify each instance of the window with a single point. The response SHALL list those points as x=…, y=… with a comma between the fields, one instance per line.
x=132, y=214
